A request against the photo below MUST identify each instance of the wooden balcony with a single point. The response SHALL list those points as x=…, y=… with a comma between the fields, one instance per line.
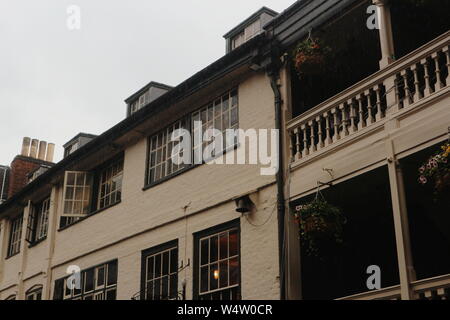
x=437, y=288
x=404, y=85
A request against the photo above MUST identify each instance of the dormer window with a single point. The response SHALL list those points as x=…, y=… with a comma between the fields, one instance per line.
x=77, y=142
x=144, y=96
x=249, y=28
x=249, y=32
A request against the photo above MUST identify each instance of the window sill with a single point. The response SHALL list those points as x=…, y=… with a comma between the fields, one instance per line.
x=89, y=215
x=11, y=256
x=173, y=175
x=190, y=167
x=35, y=243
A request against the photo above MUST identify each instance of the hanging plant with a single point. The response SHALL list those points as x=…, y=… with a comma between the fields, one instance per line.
x=320, y=224
x=437, y=169
x=309, y=56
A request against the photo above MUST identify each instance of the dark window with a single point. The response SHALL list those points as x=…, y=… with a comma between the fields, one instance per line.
x=97, y=283
x=38, y=221
x=159, y=274
x=88, y=192
x=340, y=270
x=220, y=114
x=35, y=293
x=110, y=184
x=15, y=236
x=217, y=263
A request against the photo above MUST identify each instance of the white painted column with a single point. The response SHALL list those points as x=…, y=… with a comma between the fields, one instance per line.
x=3, y=241
x=23, y=253
x=401, y=225
x=292, y=242
x=386, y=37
x=51, y=233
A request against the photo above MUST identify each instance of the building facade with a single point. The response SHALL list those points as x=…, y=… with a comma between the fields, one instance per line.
x=117, y=218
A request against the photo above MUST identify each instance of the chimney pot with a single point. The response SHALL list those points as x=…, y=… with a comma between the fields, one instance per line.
x=50, y=152
x=34, y=148
x=42, y=150
x=26, y=146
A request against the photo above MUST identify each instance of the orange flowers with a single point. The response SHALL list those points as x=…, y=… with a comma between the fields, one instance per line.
x=309, y=56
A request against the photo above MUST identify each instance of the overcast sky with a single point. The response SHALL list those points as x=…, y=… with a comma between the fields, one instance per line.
x=56, y=82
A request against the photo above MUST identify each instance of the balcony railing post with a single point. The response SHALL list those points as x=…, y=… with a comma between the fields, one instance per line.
x=447, y=60
x=392, y=94
x=400, y=215
x=386, y=38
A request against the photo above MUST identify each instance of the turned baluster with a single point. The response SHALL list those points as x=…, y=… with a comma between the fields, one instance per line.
x=417, y=94
x=353, y=116
x=328, y=140
x=305, y=150
x=406, y=99
x=428, y=89
x=344, y=119
x=435, y=57
x=379, y=114
x=298, y=152
x=337, y=134
x=319, y=132
x=361, y=122
x=447, y=58
x=312, y=145
x=370, y=107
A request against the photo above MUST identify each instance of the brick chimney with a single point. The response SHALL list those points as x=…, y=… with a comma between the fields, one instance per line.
x=35, y=154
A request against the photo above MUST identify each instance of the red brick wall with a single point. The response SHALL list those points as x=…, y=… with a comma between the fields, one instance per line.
x=20, y=167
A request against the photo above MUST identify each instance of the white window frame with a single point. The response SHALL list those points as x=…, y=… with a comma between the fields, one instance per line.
x=227, y=258
x=42, y=220
x=160, y=147
x=222, y=110
x=162, y=275
x=86, y=186
x=34, y=293
x=15, y=239
x=110, y=177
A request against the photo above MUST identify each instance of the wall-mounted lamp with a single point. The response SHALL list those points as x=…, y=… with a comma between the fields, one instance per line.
x=244, y=205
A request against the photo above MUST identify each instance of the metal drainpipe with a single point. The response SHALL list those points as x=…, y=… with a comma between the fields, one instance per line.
x=274, y=74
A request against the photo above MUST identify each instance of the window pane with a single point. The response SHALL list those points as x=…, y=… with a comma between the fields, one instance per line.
x=223, y=273
x=173, y=286
x=165, y=288
x=89, y=280
x=149, y=292
x=157, y=292
x=204, y=251
x=213, y=276
x=111, y=294
x=204, y=273
x=214, y=248
x=100, y=276
x=233, y=243
x=223, y=245
x=234, y=271
x=165, y=263
x=112, y=273
x=158, y=266
x=150, y=267
x=173, y=260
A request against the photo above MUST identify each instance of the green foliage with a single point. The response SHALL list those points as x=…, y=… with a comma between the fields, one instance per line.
x=320, y=223
x=437, y=169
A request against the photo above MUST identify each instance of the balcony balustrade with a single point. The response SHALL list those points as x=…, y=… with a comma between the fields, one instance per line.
x=400, y=86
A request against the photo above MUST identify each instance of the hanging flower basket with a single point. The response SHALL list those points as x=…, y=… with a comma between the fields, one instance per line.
x=320, y=224
x=437, y=169
x=309, y=56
